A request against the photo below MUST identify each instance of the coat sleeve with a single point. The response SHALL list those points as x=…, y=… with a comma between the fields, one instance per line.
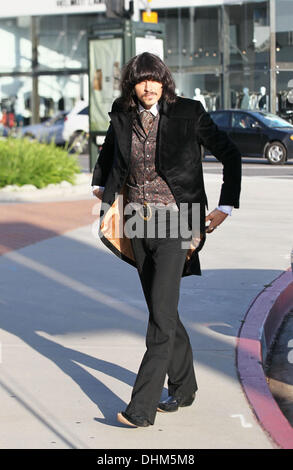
x=105, y=160
x=219, y=144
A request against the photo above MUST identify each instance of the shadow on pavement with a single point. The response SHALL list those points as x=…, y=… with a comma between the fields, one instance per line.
x=65, y=286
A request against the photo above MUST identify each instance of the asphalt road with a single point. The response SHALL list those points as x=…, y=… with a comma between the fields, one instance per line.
x=251, y=167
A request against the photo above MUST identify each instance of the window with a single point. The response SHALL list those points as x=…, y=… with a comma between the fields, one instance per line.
x=84, y=110
x=244, y=121
x=16, y=46
x=222, y=119
x=271, y=120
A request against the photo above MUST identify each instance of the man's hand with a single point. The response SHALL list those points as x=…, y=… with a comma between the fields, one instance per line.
x=216, y=217
x=98, y=193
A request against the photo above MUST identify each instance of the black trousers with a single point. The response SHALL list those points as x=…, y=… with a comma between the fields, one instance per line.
x=160, y=263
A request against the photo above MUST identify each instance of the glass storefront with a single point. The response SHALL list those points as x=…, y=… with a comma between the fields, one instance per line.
x=220, y=54
x=60, y=65
x=192, y=51
x=62, y=41
x=224, y=55
x=60, y=92
x=285, y=94
x=249, y=60
x=16, y=50
x=16, y=59
x=284, y=59
x=15, y=95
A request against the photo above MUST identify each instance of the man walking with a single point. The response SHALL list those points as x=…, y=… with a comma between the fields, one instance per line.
x=152, y=158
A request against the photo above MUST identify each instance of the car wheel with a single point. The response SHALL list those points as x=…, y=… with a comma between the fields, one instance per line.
x=78, y=143
x=276, y=153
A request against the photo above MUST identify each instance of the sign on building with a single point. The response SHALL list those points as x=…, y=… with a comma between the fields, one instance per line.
x=15, y=8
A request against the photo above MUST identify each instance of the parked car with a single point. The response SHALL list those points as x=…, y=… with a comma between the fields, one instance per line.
x=46, y=131
x=76, y=127
x=257, y=133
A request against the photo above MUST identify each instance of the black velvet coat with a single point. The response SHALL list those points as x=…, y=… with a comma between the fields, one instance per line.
x=183, y=127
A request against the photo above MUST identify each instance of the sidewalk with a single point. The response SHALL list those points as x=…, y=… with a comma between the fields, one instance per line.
x=73, y=320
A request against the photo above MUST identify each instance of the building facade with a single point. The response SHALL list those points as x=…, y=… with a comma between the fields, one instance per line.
x=233, y=54
x=227, y=53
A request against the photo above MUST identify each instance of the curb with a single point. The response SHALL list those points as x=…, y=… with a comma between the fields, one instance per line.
x=26, y=193
x=256, y=335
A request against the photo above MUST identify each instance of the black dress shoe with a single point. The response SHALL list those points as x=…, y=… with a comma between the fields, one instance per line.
x=136, y=421
x=173, y=403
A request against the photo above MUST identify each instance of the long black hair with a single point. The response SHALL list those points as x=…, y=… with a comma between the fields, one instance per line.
x=145, y=66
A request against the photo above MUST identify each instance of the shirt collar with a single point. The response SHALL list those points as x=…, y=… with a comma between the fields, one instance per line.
x=154, y=109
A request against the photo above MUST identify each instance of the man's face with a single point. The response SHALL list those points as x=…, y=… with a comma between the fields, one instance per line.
x=148, y=92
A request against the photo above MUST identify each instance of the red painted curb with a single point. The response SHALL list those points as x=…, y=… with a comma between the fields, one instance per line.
x=261, y=323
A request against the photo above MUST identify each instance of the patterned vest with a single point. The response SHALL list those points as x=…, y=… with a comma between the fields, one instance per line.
x=144, y=183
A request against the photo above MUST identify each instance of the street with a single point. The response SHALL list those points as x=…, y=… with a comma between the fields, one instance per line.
x=74, y=319
x=251, y=167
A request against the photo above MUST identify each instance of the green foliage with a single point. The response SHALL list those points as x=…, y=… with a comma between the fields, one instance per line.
x=23, y=161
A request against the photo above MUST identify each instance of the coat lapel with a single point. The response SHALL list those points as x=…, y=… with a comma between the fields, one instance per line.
x=162, y=139
x=163, y=133
x=122, y=123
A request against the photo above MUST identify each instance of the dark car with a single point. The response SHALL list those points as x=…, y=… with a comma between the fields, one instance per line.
x=257, y=133
x=51, y=129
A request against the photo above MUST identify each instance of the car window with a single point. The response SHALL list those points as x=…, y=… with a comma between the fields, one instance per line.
x=221, y=118
x=244, y=121
x=84, y=111
x=271, y=120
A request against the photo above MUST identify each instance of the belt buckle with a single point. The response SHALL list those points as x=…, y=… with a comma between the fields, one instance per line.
x=143, y=211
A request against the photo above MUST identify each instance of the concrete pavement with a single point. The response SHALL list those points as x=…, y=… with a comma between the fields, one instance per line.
x=73, y=321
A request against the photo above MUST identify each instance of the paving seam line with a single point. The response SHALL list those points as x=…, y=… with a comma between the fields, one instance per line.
x=255, y=338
